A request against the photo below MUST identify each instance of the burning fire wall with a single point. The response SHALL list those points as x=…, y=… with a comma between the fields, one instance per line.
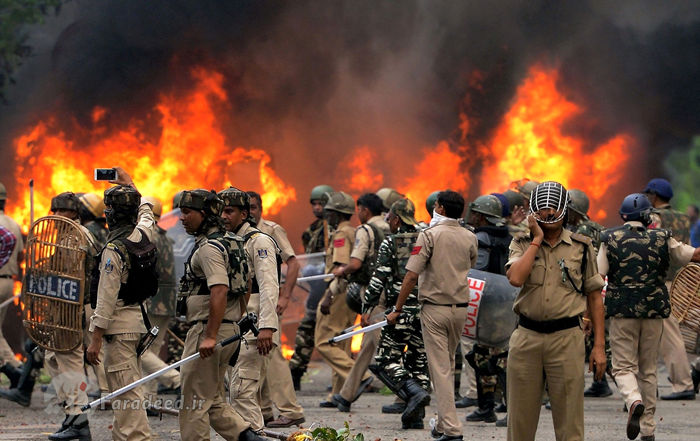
x=418, y=96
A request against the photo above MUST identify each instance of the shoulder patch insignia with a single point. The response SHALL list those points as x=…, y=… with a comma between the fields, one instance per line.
x=262, y=254
x=415, y=250
x=109, y=267
x=337, y=243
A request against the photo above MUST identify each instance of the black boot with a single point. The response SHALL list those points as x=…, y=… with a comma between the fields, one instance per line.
x=296, y=377
x=416, y=423
x=485, y=411
x=12, y=373
x=74, y=427
x=598, y=389
x=394, y=408
x=22, y=394
x=696, y=378
x=417, y=398
x=250, y=435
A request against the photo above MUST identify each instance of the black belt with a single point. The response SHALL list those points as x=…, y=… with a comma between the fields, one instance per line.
x=5, y=276
x=207, y=321
x=548, y=326
x=458, y=305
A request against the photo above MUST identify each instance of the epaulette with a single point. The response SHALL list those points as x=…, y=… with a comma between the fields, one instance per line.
x=581, y=238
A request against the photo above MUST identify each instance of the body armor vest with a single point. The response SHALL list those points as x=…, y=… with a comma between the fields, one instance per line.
x=639, y=261
x=364, y=274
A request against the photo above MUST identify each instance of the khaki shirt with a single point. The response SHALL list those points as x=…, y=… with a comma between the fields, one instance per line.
x=680, y=253
x=442, y=256
x=111, y=314
x=545, y=295
x=11, y=268
x=261, y=252
x=280, y=235
x=210, y=262
x=338, y=253
x=364, y=238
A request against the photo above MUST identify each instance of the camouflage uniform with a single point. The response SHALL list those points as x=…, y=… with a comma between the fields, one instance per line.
x=392, y=365
x=677, y=223
x=312, y=238
x=98, y=231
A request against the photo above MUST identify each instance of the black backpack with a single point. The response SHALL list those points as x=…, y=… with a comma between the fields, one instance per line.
x=140, y=259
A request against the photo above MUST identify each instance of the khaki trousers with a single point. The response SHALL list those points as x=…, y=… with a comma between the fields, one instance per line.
x=635, y=351
x=559, y=357
x=246, y=377
x=68, y=378
x=467, y=369
x=673, y=352
x=278, y=389
x=203, y=400
x=97, y=370
x=151, y=361
x=328, y=326
x=358, y=373
x=6, y=354
x=442, y=327
x=122, y=367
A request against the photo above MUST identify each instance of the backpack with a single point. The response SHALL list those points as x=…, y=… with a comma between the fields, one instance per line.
x=364, y=274
x=278, y=257
x=140, y=260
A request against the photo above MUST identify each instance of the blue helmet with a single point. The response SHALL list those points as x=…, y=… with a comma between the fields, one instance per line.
x=505, y=205
x=660, y=187
x=635, y=207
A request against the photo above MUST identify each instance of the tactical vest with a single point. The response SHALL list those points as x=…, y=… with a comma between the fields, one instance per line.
x=639, y=260
x=401, y=247
x=278, y=256
x=233, y=246
x=313, y=238
x=364, y=274
x=498, y=248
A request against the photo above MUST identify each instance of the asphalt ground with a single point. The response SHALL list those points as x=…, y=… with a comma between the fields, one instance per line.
x=604, y=418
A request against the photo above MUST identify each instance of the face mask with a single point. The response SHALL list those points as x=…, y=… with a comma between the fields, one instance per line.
x=437, y=218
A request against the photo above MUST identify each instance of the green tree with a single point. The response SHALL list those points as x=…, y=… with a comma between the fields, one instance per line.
x=15, y=15
x=684, y=168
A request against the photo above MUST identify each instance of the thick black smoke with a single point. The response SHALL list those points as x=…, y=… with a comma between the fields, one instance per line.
x=327, y=76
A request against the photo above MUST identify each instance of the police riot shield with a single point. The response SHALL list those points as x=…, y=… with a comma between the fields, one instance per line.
x=54, y=282
x=490, y=317
x=685, y=297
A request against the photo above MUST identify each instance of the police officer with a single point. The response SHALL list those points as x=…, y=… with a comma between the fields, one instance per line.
x=636, y=260
x=8, y=362
x=441, y=257
x=261, y=252
x=368, y=236
x=92, y=209
x=67, y=368
x=161, y=307
x=334, y=314
x=213, y=307
x=660, y=193
x=493, y=242
x=402, y=371
x=388, y=197
x=315, y=240
x=277, y=386
x=559, y=278
x=120, y=325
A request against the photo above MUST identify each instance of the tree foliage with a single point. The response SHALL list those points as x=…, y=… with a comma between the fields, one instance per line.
x=683, y=167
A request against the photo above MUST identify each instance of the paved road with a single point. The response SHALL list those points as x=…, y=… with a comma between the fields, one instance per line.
x=677, y=421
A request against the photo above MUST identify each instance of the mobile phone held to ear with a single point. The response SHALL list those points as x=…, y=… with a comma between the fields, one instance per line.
x=105, y=174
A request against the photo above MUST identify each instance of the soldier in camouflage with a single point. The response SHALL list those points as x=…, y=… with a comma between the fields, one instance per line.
x=393, y=366
x=315, y=240
x=636, y=261
x=660, y=193
x=161, y=307
x=92, y=209
x=488, y=362
x=580, y=223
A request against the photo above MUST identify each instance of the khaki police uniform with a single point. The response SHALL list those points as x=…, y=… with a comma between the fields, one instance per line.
x=277, y=387
x=203, y=400
x=7, y=272
x=442, y=256
x=341, y=316
x=67, y=369
x=364, y=249
x=252, y=367
x=546, y=296
x=123, y=327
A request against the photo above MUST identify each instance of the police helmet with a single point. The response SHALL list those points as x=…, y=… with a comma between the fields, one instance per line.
x=388, y=197
x=94, y=204
x=635, y=207
x=319, y=193
x=122, y=197
x=430, y=201
x=659, y=187
x=578, y=201
x=341, y=202
x=65, y=201
x=202, y=200
x=490, y=207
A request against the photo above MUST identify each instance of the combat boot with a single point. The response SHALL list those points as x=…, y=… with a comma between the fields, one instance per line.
x=418, y=398
x=75, y=427
x=250, y=435
x=296, y=377
x=416, y=423
x=394, y=408
x=22, y=394
x=12, y=373
x=598, y=389
x=485, y=411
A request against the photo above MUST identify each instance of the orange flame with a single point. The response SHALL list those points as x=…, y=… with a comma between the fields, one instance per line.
x=530, y=142
x=356, y=341
x=362, y=177
x=191, y=152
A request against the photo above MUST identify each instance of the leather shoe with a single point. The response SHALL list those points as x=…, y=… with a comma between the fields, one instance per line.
x=466, y=402
x=635, y=413
x=685, y=395
x=394, y=408
x=341, y=403
x=485, y=415
x=327, y=404
x=283, y=421
x=449, y=437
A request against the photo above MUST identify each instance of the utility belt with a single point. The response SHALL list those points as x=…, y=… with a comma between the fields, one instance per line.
x=456, y=305
x=6, y=276
x=548, y=326
x=205, y=321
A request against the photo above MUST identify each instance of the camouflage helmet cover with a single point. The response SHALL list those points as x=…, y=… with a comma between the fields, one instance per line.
x=388, y=196
x=122, y=197
x=490, y=207
x=3, y=192
x=319, y=193
x=341, y=202
x=202, y=200
x=65, y=201
x=157, y=205
x=405, y=210
x=176, y=199
x=430, y=201
x=233, y=197
x=578, y=202
x=93, y=203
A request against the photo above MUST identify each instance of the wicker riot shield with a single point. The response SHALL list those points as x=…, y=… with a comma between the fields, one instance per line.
x=54, y=281
x=685, y=296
